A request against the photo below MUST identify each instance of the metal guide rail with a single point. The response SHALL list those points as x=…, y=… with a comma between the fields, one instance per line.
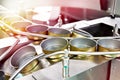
x=71, y=52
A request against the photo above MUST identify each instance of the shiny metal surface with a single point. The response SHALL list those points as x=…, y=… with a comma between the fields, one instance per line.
x=53, y=44
x=21, y=56
x=45, y=56
x=109, y=45
x=21, y=53
x=55, y=71
x=82, y=44
x=96, y=73
x=115, y=71
x=24, y=65
x=36, y=29
x=59, y=32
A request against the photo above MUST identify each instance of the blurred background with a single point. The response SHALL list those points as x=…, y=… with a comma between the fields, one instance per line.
x=51, y=9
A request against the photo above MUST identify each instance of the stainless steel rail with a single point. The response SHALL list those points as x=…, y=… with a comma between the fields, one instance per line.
x=59, y=52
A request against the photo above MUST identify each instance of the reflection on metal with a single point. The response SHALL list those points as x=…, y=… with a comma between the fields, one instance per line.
x=96, y=73
x=16, y=72
x=46, y=56
x=54, y=72
x=115, y=70
x=115, y=30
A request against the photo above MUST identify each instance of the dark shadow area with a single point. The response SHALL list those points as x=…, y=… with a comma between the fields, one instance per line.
x=100, y=30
